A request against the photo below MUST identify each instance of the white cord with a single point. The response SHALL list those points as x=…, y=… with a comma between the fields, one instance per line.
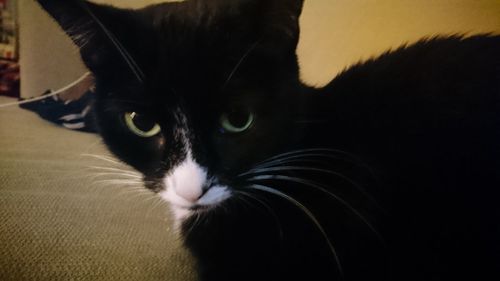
x=49, y=95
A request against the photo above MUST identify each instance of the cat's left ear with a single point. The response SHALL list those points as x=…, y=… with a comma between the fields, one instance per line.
x=277, y=22
x=281, y=20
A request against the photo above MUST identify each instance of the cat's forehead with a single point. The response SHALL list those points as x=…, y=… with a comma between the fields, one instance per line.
x=186, y=40
x=199, y=12
x=205, y=20
x=205, y=53
x=201, y=32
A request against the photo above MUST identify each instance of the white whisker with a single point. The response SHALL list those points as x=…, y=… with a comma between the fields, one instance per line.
x=194, y=223
x=134, y=67
x=268, y=208
x=242, y=59
x=102, y=157
x=120, y=181
x=309, y=157
x=109, y=176
x=309, y=150
x=113, y=170
x=301, y=168
x=324, y=190
x=156, y=202
x=310, y=215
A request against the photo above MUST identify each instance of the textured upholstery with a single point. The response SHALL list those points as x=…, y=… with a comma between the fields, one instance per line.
x=61, y=219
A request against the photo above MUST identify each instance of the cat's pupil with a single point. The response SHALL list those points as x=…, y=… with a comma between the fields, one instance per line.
x=238, y=119
x=142, y=122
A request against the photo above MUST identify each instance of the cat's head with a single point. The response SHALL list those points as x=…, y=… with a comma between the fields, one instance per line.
x=191, y=93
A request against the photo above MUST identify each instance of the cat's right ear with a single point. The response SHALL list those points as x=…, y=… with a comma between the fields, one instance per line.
x=101, y=32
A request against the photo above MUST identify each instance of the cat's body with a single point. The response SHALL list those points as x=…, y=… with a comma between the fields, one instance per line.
x=390, y=172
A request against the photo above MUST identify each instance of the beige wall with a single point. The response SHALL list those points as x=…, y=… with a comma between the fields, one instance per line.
x=335, y=33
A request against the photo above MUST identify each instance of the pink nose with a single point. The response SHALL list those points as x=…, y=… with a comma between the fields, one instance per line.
x=188, y=180
x=189, y=194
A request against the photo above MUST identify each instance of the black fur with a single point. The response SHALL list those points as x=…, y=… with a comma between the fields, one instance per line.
x=407, y=189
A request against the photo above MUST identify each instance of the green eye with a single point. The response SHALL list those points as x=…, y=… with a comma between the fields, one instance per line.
x=141, y=125
x=237, y=121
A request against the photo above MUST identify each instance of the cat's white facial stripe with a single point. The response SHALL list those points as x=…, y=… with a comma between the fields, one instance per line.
x=187, y=180
x=184, y=189
x=184, y=184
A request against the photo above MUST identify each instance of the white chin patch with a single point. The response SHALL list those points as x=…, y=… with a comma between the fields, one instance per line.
x=184, y=189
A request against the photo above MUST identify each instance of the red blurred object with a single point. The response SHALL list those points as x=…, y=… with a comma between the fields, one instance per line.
x=9, y=78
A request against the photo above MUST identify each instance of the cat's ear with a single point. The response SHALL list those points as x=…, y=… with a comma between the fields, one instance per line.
x=103, y=33
x=283, y=16
x=280, y=19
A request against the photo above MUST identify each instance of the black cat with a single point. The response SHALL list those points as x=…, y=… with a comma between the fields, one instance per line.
x=390, y=172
